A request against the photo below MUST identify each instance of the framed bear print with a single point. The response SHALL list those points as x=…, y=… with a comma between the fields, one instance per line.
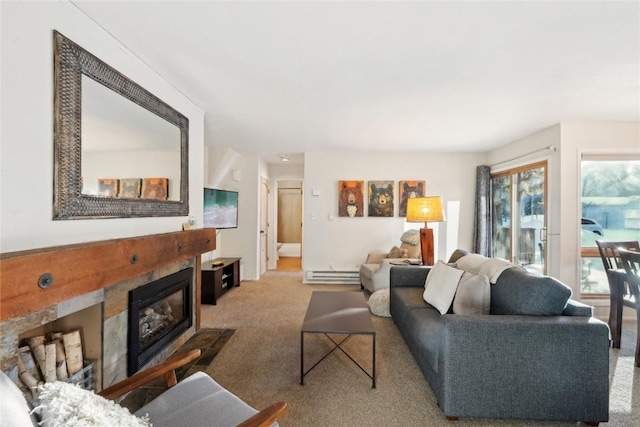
x=409, y=190
x=381, y=198
x=351, y=198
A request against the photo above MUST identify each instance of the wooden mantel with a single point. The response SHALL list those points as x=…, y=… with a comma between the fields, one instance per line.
x=35, y=279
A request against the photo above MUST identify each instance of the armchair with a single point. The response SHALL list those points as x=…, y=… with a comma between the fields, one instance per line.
x=374, y=273
x=196, y=400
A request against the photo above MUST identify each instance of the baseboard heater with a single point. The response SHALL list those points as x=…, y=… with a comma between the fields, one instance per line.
x=331, y=276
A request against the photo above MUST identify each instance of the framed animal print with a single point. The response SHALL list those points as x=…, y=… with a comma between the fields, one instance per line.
x=381, y=198
x=130, y=188
x=108, y=187
x=408, y=190
x=351, y=198
x=155, y=188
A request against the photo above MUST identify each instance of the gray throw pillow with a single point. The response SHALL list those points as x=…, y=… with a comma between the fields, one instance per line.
x=473, y=295
x=524, y=293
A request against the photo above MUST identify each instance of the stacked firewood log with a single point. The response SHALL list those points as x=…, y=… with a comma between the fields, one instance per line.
x=53, y=357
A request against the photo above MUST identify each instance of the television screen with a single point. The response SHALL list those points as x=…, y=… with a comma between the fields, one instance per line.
x=220, y=208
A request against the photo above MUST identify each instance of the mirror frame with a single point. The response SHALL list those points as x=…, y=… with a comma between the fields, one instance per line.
x=71, y=62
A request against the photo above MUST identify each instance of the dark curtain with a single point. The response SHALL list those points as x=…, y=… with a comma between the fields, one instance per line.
x=482, y=220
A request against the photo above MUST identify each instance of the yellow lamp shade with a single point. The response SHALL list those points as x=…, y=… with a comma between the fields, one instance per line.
x=425, y=209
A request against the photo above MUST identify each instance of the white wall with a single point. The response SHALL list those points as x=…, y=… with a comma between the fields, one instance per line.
x=131, y=164
x=221, y=162
x=26, y=151
x=343, y=243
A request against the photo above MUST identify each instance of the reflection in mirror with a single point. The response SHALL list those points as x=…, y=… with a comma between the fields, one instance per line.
x=108, y=130
x=123, y=141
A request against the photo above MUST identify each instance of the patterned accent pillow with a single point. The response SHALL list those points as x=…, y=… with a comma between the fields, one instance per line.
x=411, y=237
x=396, y=252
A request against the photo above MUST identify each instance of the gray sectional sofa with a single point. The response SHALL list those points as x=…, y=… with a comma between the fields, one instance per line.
x=522, y=361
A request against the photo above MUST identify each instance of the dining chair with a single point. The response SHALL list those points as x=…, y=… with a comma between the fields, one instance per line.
x=631, y=263
x=616, y=275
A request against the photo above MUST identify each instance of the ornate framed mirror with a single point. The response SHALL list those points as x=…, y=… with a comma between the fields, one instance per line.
x=108, y=130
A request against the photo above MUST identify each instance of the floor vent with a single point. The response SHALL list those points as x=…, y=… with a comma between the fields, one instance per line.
x=331, y=276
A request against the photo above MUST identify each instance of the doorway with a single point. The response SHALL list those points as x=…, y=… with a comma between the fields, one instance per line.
x=264, y=225
x=289, y=241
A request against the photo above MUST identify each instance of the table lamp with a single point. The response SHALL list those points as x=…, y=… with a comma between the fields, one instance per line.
x=425, y=209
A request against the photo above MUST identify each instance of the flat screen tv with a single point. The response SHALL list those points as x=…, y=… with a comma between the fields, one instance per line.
x=220, y=208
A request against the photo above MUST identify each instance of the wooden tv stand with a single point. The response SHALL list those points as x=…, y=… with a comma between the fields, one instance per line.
x=218, y=279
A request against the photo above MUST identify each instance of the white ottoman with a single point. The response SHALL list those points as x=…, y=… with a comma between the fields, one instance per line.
x=379, y=303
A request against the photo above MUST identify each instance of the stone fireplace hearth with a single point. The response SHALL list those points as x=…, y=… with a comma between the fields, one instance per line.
x=109, y=318
x=109, y=271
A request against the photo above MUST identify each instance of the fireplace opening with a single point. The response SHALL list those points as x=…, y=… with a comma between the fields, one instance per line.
x=159, y=312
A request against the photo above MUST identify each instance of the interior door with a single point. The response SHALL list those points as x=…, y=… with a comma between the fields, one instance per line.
x=290, y=214
x=264, y=225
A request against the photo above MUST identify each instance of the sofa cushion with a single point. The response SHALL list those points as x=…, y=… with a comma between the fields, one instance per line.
x=419, y=323
x=197, y=401
x=441, y=285
x=524, y=293
x=396, y=252
x=410, y=297
x=473, y=295
x=424, y=328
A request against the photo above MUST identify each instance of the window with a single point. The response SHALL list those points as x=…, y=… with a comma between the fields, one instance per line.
x=610, y=204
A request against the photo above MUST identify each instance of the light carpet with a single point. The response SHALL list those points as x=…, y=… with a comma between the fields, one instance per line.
x=261, y=364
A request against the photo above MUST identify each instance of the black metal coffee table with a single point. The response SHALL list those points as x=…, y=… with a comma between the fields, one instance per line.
x=344, y=313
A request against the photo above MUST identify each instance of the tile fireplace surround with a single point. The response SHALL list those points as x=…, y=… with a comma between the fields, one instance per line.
x=95, y=279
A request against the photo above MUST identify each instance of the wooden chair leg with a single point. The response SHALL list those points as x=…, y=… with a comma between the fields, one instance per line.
x=452, y=418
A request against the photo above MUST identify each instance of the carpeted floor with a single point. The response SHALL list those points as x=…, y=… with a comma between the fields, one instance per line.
x=261, y=364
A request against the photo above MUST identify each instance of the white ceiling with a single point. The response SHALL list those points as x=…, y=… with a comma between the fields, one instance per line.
x=295, y=77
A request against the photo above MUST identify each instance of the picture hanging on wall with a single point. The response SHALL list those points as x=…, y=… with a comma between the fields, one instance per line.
x=351, y=198
x=155, y=188
x=130, y=188
x=381, y=198
x=409, y=190
x=107, y=187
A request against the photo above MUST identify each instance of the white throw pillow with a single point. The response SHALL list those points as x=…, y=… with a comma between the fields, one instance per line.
x=63, y=404
x=473, y=295
x=441, y=285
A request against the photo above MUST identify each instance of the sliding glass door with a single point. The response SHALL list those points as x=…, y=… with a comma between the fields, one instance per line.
x=518, y=216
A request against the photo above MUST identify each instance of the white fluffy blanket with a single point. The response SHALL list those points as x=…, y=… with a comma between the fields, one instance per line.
x=68, y=405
